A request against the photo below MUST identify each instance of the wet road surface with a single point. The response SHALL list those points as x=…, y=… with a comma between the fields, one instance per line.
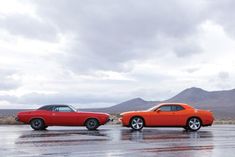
x=109, y=140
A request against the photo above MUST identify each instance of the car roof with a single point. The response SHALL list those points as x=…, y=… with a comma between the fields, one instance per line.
x=51, y=106
x=181, y=104
x=55, y=105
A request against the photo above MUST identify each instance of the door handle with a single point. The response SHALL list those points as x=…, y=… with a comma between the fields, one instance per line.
x=53, y=114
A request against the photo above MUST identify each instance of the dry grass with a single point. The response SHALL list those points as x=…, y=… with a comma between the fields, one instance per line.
x=9, y=120
x=225, y=121
x=115, y=119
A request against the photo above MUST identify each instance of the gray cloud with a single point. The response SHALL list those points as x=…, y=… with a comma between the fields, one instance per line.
x=223, y=75
x=223, y=13
x=61, y=98
x=6, y=80
x=29, y=27
x=107, y=35
x=187, y=49
x=192, y=70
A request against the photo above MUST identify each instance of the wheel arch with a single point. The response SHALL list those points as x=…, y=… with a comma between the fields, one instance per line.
x=91, y=118
x=194, y=117
x=37, y=118
x=135, y=117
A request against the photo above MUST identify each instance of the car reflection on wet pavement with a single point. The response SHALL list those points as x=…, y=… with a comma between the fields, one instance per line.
x=110, y=140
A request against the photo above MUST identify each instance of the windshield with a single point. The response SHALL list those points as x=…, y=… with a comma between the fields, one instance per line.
x=153, y=108
x=73, y=108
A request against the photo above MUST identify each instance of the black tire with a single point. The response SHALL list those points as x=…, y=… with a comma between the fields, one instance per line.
x=137, y=123
x=45, y=127
x=194, y=124
x=37, y=124
x=92, y=124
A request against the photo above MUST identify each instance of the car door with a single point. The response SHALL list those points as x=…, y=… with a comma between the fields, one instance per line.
x=181, y=115
x=163, y=116
x=64, y=116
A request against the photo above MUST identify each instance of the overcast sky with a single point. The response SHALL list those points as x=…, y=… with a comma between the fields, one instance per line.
x=96, y=53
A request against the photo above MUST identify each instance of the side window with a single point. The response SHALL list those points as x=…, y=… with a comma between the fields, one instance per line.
x=165, y=108
x=62, y=109
x=177, y=108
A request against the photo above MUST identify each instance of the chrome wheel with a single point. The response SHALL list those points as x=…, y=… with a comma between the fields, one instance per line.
x=194, y=124
x=137, y=123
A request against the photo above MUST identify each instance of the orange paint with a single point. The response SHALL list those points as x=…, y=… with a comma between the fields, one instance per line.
x=169, y=114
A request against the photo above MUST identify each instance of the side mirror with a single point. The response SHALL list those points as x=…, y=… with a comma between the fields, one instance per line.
x=158, y=110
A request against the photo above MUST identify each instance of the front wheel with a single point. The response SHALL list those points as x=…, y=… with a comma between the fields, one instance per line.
x=92, y=124
x=194, y=124
x=137, y=123
x=37, y=124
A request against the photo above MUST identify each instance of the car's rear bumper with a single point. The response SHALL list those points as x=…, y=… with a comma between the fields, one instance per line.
x=208, y=122
x=17, y=119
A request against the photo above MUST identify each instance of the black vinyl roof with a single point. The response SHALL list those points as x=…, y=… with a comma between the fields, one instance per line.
x=49, y=107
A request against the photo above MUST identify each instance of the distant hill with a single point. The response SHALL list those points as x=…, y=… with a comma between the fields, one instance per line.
x=222, y=103
x=130, y=105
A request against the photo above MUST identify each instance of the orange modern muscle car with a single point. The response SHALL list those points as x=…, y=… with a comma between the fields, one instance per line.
x=168, y=115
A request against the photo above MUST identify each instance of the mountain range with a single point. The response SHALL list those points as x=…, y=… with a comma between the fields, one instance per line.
x=221, y=103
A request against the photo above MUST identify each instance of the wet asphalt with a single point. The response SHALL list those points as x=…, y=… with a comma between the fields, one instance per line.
x=114, y=140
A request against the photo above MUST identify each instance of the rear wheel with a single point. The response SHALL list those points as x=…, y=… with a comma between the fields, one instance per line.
x=194, y=124
x=137, y=123
x=37, y=124
x=92, y=124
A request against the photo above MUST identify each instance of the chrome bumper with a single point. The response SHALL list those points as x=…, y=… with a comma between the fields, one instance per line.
x=108, y=120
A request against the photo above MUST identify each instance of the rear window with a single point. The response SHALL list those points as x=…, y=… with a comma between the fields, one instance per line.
x=177, y=108
x=47, y=108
